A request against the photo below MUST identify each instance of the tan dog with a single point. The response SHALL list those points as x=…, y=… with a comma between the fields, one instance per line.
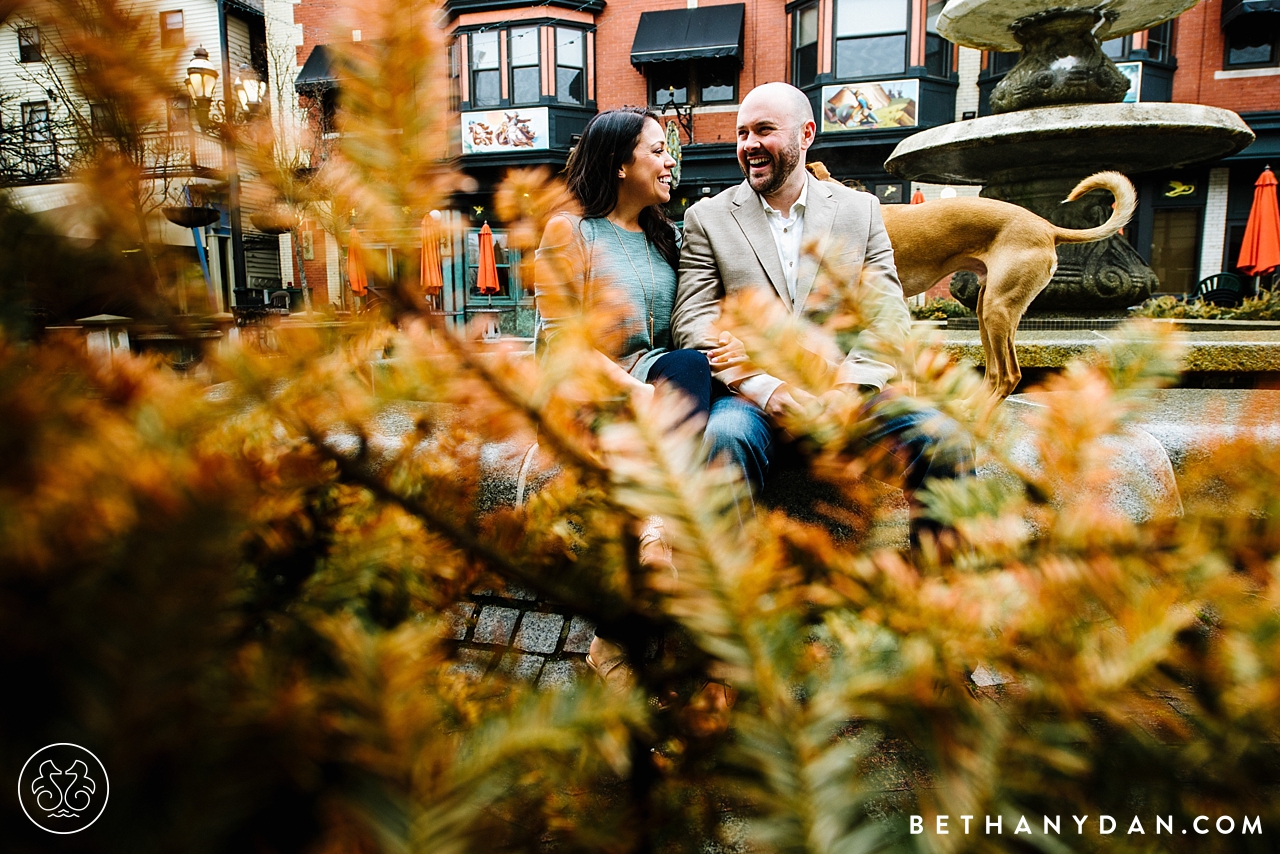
x=1011, y=249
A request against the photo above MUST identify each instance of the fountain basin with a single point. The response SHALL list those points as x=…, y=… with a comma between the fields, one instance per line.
x=1069, y=141
x=988, y=24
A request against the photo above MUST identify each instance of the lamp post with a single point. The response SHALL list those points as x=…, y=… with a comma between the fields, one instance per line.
x=684, y=112
x=213, y=115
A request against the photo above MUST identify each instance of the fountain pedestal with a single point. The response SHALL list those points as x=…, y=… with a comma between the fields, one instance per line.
x=1107, y=274
x=1062, y=63
x=1057, y=121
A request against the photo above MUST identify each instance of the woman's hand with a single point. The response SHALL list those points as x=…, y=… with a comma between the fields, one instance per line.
x=730, y=352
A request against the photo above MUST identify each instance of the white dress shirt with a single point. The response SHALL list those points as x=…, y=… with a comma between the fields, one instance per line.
x=788, y=232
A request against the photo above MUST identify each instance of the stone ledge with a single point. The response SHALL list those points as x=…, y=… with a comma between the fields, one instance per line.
x=1245, y=350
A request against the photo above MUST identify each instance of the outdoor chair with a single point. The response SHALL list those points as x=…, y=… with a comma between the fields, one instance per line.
x=1221, y=289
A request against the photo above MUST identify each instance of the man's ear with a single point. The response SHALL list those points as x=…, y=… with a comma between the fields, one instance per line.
x=808, y=132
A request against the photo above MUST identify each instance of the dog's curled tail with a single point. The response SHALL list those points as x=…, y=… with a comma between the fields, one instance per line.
x=1126, y=202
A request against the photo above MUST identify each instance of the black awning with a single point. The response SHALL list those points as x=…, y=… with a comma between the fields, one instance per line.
x=1236, y=10
x=676, y=34
x=317, y=72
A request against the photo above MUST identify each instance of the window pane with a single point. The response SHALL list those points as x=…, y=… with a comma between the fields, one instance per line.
x=1158, y=42
x=524, y=46
x=29, y=44
x=569, y=50
x=717, y=79
x=1247, y=46
x=806, y=65
x=569, y=88
x=1114, y=48
x=1175, y=250
x=484, y=50
x=867, y=17
x=502, y=260
x=525, y=85
x=1000, y=63
x=171, y=33
x=869, y=57
x=35, y=122
x=488, y=89
x=937, y=55
x=931, y=15
x=807, y=31
x=668, y=82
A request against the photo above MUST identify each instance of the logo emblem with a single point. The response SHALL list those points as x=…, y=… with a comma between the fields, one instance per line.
x=63, y=788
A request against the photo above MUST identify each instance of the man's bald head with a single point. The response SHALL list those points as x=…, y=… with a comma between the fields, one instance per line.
x=782, y=100
x=775, y=129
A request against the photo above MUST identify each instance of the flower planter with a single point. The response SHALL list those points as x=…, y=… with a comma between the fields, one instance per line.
x=189, y=216
x=275, y=220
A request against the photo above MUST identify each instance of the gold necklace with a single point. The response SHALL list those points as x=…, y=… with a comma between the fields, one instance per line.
x=653, y=279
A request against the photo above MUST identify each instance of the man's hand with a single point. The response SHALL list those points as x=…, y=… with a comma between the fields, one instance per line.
x=787, y=401
x=730, y=352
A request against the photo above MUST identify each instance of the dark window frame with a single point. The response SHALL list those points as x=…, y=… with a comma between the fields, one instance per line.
x=473, y=73
x=507, y=259
x=1269, y=29
x=561, y=96
x=29, y=45
x=695, y=71
x=1126, y=48
x=836, y=40
x=810, y=46
x=178, y=115
x=935, y=45
x=511, y=65
x=101, y=120
x=29, y=109
x=173, y=36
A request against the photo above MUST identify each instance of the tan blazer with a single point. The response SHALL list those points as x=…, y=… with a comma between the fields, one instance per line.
x=728, y=247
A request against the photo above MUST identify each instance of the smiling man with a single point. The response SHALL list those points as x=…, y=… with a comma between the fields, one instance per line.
x=750, y=237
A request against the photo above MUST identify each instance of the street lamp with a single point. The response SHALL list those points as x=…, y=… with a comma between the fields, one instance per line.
x=202, y=78
x=250, y=89
x=684, y=112
x=201, y=82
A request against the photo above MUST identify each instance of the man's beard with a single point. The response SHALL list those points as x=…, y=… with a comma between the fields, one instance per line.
x=783, y=165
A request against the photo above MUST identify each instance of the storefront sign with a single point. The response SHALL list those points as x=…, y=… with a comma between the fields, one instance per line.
x=870, y=106
x=515, y=129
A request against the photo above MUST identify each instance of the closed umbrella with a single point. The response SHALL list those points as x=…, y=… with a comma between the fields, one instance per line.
x=356, y=273
x=917, y=198
x=432, y=275
x=1260, y=252
x=487, y=264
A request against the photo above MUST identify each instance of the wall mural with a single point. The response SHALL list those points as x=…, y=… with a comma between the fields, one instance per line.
x=512, y=129
x=870, y=106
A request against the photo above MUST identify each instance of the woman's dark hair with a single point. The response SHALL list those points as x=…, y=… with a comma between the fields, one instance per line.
x=608, y=143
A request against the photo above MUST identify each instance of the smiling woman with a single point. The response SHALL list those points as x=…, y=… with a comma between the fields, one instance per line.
x=618, y=254
x=617, y=258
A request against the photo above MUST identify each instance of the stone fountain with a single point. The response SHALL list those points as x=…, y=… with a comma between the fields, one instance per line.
x=1057, y=117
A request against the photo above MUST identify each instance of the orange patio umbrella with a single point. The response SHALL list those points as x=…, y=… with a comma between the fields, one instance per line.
x=487, y=264
x=1260, y=252
x=356, y=273
x=432, y=275
x=917, y=198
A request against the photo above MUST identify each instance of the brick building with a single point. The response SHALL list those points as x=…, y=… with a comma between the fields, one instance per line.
x=528, y=75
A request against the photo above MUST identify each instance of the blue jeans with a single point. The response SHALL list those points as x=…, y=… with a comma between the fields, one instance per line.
x=911, y=444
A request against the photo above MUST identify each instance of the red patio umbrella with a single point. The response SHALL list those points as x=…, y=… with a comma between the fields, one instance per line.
x=1260, y=252
x=432, y=275
x=356, y=273
x=487, y=264
x=917, y=198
